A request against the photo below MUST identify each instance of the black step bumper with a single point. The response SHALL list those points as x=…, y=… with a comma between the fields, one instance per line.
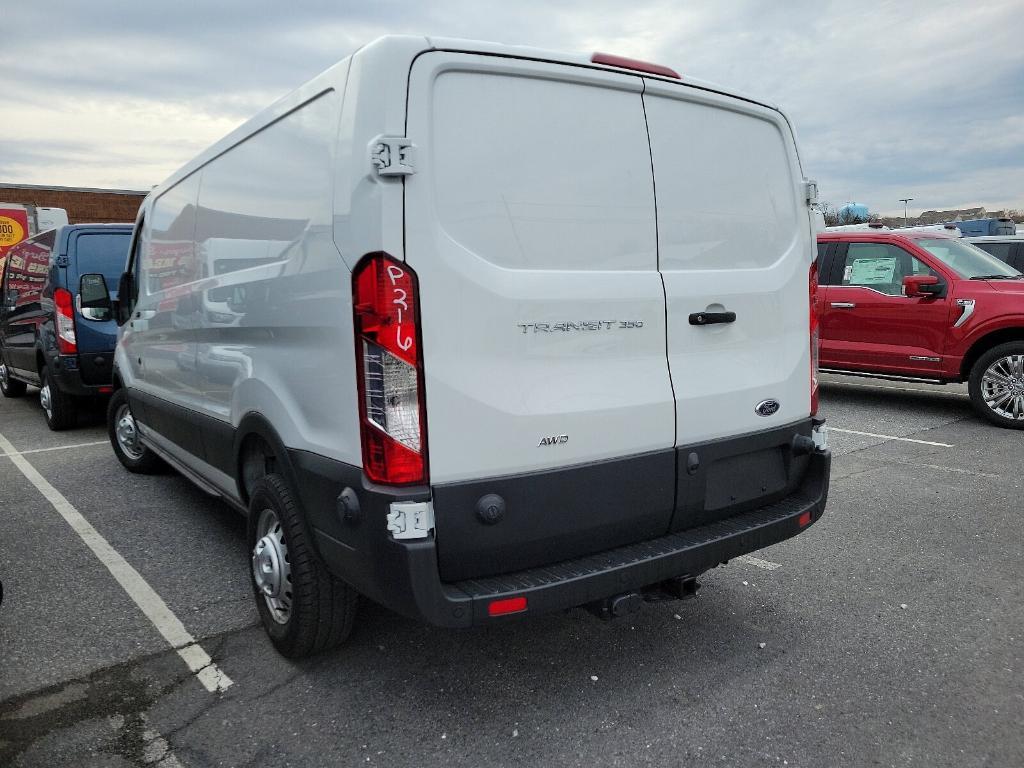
x=404, y=575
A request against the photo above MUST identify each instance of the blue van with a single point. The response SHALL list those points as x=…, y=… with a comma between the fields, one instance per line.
x=985, y=227
x=49, y=336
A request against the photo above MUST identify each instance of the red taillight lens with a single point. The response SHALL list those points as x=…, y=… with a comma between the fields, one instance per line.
x=390, y=371
x=506, y=606
x=815, y=319
x=65, y=303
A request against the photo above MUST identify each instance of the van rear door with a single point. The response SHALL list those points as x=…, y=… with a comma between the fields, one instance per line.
x=530, y=223
x=735, y=248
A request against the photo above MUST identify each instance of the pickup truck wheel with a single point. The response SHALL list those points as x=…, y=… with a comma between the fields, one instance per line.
x=304, y=609
x=996, y=385
x=59, y=408
x=124, y=438
x=10, y=387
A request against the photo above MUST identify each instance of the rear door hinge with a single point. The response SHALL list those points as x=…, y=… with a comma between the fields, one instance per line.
x=811, y=192
x=393, y=156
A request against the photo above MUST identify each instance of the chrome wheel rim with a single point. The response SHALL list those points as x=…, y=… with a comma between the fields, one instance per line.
x=45, y=400
x=271, y=568
x=3, y=377
x=127, y=433
x=1002, y=387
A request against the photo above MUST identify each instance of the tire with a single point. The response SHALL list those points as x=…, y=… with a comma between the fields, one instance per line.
x=996, y=385
x=59, y=408
x=133, y=455
x=304, y=609
x=9, y=387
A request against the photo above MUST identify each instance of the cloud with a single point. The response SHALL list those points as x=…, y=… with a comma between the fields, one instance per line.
x=890, y=99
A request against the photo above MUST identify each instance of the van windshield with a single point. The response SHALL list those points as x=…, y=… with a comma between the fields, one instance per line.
x=968, y=260
x=103, y=252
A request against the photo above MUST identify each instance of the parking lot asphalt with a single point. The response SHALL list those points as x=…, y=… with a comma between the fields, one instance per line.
x=891, y=633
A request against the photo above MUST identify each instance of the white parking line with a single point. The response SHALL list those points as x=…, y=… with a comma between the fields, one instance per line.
x=889, y=437
x=138, y=589
x=55, y=448
x=757, y=562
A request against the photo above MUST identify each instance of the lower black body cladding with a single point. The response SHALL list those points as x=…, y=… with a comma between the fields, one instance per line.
x=567, y=513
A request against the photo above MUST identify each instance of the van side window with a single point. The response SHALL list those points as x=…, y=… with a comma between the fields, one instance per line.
x=881, y=267
x=168, y=256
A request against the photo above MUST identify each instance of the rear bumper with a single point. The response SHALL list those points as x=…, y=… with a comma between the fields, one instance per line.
x=74, y=375
x=405, y=576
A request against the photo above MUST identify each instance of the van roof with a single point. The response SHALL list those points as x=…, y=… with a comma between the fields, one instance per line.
x=579, y=59
x=407, y=48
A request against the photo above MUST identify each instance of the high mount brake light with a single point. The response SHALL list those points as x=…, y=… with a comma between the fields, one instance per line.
x=623, y=62
x=67, y=343
x=389, y=369
x=814, y=323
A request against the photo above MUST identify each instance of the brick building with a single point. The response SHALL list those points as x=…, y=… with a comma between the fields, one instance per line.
x=83, y=204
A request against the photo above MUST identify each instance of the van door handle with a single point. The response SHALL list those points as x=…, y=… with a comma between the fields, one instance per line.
x=710, y=318
x=843, y=305
x=144, y=314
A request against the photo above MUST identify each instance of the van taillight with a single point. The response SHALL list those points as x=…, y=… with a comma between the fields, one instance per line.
x=389, y=369
x=65, y=303
x=815, y=320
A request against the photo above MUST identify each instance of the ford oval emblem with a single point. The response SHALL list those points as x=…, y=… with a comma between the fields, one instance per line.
x=767, y=408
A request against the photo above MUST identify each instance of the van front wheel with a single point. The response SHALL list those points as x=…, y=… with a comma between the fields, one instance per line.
x=9, y=387
x=304, y=609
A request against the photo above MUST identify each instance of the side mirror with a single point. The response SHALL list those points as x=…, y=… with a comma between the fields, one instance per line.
x=923, y=286
x=125, y=296
x=93, y=298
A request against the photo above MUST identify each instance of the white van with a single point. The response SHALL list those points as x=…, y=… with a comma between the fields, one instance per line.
x=502, y=346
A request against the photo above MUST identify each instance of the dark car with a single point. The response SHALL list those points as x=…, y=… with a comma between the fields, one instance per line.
x=1008, y=248
x=49, y=336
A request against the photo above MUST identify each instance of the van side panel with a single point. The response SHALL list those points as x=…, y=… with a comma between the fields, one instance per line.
x=273, y=304
x=734, y=236
x=530, y=222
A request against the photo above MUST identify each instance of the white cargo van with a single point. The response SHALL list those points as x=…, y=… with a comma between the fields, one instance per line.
x=502, y=345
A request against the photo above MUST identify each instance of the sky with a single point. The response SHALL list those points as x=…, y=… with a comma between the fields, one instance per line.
x=921, y=99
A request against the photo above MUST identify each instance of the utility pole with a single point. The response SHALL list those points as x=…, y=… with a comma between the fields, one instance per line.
x=905, y=201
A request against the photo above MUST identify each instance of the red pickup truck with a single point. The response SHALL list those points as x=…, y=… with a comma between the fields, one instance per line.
x=924, y=306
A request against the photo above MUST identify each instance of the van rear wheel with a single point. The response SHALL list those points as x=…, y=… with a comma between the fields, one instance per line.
x=10, y=387
x=996, y=385
x=59, y=408
x=304, y=609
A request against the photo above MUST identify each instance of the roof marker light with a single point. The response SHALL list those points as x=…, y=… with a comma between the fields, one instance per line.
x=623, y=62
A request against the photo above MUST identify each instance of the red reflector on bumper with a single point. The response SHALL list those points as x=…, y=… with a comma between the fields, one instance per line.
x=106, y=390
x=804, y=519
x=508, y=605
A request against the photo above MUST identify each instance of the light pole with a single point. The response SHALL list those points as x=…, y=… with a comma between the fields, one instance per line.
x=905, y=200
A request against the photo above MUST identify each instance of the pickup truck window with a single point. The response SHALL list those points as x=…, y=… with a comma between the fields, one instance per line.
x=880, y=267
x=968, y=260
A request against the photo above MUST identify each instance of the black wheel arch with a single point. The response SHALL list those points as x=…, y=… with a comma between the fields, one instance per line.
x=256, y=429
x=985, y=343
